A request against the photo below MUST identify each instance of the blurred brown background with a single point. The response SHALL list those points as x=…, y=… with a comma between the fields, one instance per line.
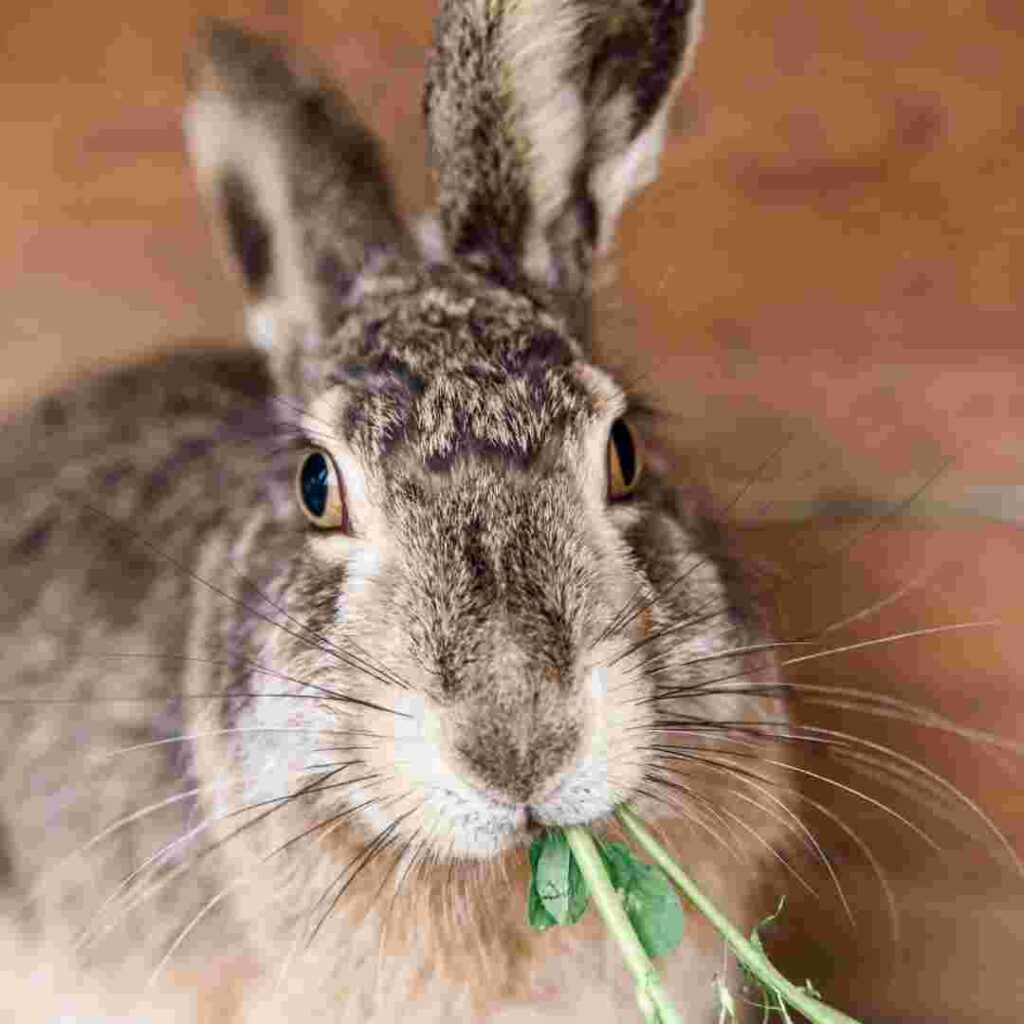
x=826, y=271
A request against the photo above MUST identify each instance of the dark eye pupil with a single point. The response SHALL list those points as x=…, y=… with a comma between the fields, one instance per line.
x=314, y=482
x=624, y=451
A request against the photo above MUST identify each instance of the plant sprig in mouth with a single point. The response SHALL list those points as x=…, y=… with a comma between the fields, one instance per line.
x=642, y=910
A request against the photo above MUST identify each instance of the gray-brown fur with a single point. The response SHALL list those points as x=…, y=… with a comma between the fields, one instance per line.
x=459, y=652
x=619, y=61
x=338, y=191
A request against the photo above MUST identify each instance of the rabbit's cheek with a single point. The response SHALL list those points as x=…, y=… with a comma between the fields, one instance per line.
x=269, y=751
x=362, y=568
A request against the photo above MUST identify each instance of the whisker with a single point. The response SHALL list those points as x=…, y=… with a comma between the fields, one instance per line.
x=322, y=692
x=929, y=572
x=126, y=820
x=702, y=687
x=194, y=737
x=423, y=838
x=858, y=536
x=699, y=615
x=953, y=791
x=855, y=699
x=274, y=804
x=294, y=948
x=791, y=820
x=355, y=867
x=794, y=736
x=160, y=854
x=875, y=641
x=747, y=775
x=624, y=617
x=707, y=805
x=689, y=813
x=652, y=667
x=869, y=855
x=210, y=905
x=747, y=827
x=314, y=642
x=122, y=822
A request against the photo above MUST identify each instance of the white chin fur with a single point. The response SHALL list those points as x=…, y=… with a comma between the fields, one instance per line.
x=583, y=797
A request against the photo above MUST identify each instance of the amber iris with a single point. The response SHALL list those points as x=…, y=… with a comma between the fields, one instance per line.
x=319, y=491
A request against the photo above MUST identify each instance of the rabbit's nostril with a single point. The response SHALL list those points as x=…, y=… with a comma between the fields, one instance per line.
x=500, y=762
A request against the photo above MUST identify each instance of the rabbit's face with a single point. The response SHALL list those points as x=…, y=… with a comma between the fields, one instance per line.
x=479, y=563
x=483, y=561
x=495, y=586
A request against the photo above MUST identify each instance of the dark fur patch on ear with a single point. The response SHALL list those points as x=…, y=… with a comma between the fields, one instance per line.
x=249, y=236
x=6, y=859
x=637, y=51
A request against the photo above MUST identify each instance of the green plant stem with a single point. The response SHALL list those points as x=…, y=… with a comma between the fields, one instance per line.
x=756, y=962
x=650, y=993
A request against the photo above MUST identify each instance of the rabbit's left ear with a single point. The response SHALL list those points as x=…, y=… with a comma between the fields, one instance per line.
x=544, y=117
x=296, y=181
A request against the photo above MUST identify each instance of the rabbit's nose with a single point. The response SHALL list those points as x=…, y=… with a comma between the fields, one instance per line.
x=516, y=763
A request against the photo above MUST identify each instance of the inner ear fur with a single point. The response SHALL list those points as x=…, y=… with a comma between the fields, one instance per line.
x=295, y=181
x=544, y=118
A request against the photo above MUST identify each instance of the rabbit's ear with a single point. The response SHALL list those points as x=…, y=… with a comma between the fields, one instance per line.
x=295, y=179
x=544, y=117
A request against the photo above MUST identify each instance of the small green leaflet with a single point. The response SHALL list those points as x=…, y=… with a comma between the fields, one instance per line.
x=558, y=893
x=649, y=898
x=536, y=913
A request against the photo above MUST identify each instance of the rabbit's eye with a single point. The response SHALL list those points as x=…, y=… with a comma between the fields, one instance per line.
x=319, y=491
x=625, y=465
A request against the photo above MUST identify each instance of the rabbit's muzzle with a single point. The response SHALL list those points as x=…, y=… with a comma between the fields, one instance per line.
x=518, y=743
x=508, y=608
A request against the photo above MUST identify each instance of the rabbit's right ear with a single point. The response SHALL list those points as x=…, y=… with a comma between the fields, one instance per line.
x=296, y=181
x=544, y=117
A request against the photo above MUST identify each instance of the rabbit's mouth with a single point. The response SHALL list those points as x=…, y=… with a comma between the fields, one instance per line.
x=469, y=823
x=467, y=813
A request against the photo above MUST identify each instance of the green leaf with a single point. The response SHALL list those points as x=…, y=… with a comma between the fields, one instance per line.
x=552, y=876
x=536, y=913
x=655, y=912
x=621, y=864
x=558, y=892
x=648, y=897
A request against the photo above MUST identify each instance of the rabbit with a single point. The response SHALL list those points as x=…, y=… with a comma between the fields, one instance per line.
x=305, y=642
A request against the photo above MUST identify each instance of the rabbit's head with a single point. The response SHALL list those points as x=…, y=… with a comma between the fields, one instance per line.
x=489, y=582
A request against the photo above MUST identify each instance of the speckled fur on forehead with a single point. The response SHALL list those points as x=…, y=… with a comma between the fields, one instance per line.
x=450, y=365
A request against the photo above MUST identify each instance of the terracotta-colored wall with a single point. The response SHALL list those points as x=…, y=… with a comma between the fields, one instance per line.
x=830, y=257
